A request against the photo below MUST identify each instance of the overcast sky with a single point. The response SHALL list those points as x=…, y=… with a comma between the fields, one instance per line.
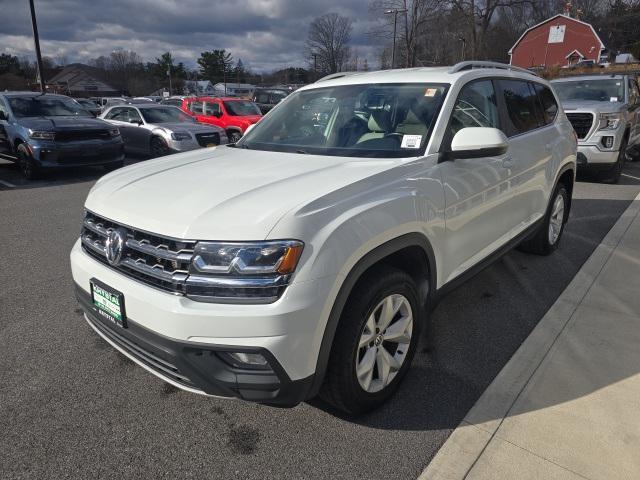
x=265, y=34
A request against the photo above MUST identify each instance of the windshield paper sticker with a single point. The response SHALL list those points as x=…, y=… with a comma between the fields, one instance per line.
x=613, y=99
x=430, y=92
x=411, y=141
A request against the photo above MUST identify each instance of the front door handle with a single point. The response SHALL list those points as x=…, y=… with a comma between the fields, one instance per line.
x=507, y=162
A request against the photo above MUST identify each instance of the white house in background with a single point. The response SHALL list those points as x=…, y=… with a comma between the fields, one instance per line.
x=236, y=89
x=199, y=87
x=625, y=58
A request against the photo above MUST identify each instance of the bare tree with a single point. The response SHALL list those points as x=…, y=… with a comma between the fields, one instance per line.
x=328, y=40
x=418, y=16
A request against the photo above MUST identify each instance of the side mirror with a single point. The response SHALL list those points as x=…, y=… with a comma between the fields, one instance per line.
x=3, y=116
x=477, y=142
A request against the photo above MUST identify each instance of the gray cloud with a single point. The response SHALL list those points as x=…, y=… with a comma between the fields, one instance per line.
x=265, y=34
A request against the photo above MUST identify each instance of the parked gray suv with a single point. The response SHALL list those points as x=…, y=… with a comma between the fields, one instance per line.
x=54, y=131
x=605, y=113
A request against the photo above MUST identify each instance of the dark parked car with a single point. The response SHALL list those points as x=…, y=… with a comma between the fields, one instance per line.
x=53, y=131
x=267, y=98
x=89, y=105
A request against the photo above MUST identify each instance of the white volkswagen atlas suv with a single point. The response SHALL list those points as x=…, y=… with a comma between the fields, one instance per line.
x=305, y=258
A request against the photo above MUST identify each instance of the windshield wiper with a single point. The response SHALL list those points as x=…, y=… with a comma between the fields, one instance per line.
x=304, y=152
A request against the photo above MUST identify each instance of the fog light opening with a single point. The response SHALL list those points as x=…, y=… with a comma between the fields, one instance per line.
x=607, y=142
x=251, y=361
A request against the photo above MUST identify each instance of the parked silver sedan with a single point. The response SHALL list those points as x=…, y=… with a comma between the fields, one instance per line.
x=161, y=129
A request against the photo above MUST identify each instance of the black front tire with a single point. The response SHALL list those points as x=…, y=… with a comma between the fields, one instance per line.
x=541, y=242
x=27, y=164
x=234, y=136
x=158, y=147
x=341, y=387
x=612, y=175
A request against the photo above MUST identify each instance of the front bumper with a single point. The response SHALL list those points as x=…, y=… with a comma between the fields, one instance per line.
x=287, y=332
x=591, y=156
x=196, y=367
x=77, y=154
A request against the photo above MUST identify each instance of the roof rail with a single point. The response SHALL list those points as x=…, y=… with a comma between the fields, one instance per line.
x=331, y=76
x=470, y=65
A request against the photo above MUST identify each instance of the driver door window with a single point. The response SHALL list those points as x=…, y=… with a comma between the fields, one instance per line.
x=212, y=109
x=476, y=107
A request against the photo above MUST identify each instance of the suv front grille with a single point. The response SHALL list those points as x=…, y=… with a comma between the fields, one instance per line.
x=581, y=122
x=206, y=139
x=80, y=135
x=157, y=261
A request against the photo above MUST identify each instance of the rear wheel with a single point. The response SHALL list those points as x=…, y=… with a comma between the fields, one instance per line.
x=27, y=164
x=374, y=343
x=548, y=236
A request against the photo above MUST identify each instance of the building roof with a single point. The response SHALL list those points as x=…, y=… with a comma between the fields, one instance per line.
x=80, y=75
x=553, y=18
x=575, y=50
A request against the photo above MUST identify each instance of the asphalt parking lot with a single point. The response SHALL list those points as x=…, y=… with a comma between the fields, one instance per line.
x=72, y=407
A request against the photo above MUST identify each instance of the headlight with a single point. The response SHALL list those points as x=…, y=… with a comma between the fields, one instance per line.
x=609, y=121
x=232, y=272
x=39, y=135
x=114, y=132
x=180, y=136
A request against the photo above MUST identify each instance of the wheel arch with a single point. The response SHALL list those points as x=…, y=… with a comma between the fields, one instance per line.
x=399, y=252
x=567, y=176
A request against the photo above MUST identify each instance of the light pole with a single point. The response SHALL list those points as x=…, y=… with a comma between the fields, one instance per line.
x=395, y=12
x=36, y=40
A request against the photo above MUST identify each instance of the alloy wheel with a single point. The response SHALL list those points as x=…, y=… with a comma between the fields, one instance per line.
x=556, y=220
x=384, y=343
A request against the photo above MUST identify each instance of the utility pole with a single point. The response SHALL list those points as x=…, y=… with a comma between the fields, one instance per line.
x=315, y=66
x=395, y=12
x=464, y=47
x=169, y=75
x=36, y=40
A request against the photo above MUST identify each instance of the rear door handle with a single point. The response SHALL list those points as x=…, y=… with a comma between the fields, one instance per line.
x=507, y=162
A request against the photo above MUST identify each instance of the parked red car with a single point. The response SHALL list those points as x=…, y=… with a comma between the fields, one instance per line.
x=233, y=114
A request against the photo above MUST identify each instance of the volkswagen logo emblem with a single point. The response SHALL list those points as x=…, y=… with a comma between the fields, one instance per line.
x=114, y=246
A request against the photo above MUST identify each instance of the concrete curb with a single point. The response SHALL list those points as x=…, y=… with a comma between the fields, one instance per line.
x=457, y=456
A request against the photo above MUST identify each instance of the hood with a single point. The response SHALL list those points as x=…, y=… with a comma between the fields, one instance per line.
x=224, y=194
x=189, y=127
x=594, y=106
x=51, y=124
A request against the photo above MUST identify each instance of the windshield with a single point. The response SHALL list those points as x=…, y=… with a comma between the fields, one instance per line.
x=383, y=120
x=46, y=106
x=609, y=90
x=241, y=108
x=165, y=115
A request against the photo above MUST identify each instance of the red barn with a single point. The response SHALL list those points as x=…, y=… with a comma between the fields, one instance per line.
x=560, y=40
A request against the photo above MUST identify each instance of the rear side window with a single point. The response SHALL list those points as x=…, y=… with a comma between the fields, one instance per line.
x=195, y=107
x=119, y=114
x=548, y=102
x=475, y=107
x=522, y=106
